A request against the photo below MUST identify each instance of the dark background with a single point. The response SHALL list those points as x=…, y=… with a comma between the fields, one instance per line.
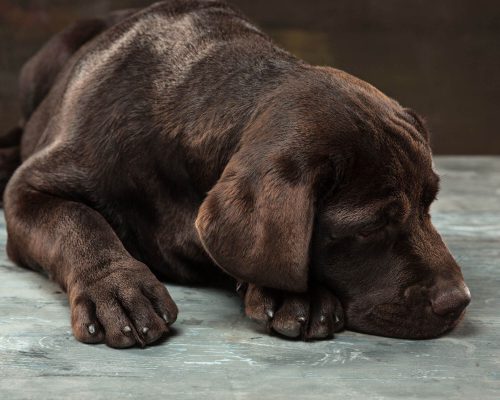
x=440, y=57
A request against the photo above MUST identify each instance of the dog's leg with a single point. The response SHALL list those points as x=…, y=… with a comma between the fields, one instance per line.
x=311, y=316
x=113, y=297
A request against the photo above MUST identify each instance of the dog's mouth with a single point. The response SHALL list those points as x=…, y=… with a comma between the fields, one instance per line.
x=400, y=321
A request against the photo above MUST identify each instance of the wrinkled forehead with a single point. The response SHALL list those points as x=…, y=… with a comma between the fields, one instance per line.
x=391, y=181
x=395, y=155
x=380, y=148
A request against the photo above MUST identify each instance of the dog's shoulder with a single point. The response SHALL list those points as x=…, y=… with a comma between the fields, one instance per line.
x=170, y=35
x=168, y=24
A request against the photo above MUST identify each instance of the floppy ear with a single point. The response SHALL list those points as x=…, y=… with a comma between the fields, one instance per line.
x=256, y=222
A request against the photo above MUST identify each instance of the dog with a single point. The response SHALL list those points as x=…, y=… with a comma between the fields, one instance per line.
x=179, y=143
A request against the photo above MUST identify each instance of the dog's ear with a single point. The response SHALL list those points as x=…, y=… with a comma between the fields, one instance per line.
x=256, y=222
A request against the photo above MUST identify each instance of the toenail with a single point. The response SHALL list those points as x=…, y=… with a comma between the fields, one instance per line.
x=241, y=288
x=270, y=313
x=322, y=318
x=145, y=330
x=165, y=317
x=127, y=329
x=301, y=319
x=91, y=329
x=337, y=319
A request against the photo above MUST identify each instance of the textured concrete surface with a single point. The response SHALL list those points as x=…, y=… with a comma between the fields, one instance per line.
x=217, y=353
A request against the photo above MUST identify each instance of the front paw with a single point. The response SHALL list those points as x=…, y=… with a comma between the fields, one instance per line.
x=124, y=306
x=314, y=315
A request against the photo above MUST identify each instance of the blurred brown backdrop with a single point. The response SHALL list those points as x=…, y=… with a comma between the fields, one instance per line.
x=441, y=58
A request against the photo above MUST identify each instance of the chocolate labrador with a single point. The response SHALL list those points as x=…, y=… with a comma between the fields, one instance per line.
x=179, y=143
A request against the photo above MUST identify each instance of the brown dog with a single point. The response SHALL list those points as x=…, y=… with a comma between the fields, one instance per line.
x=178, y=141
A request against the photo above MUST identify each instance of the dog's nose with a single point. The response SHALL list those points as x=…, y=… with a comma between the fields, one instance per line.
x=451, y=301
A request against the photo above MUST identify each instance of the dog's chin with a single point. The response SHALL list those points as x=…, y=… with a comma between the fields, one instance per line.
x=397, y=321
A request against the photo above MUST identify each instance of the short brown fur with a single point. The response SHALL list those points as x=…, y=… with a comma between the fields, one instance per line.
x=179, y=143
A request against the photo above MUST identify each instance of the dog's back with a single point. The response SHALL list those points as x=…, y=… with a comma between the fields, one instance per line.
x=38, y=76
x=40, y=71
x=185, y=60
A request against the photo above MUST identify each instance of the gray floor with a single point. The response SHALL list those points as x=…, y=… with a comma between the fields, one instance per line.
x=217, y=353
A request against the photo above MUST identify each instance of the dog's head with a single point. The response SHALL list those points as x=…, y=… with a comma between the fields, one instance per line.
x=333, y=182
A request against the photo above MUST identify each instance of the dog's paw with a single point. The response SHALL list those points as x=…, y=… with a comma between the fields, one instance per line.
x=123, y=307
x=311, y=316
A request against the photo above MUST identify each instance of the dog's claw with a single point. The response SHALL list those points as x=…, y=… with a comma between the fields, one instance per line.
x=165, y=318
x=316, y=315
x=241, y=288
x=127, y=329
x=145, y=330
x=91, y=329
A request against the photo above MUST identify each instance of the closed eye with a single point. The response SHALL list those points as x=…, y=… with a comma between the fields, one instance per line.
x=372, y=231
